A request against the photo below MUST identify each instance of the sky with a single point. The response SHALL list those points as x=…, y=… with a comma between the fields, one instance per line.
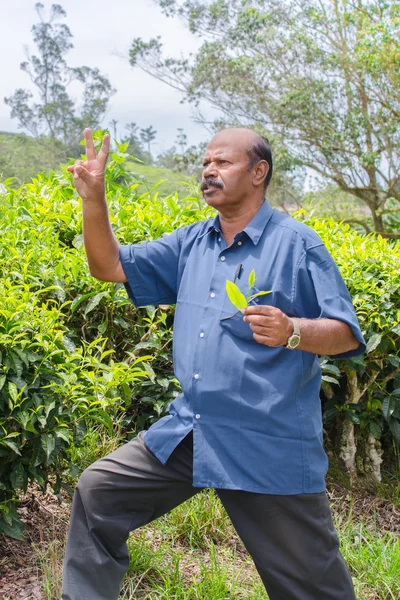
x=102, y=34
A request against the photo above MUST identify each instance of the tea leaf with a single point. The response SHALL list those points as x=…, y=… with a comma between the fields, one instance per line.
x=261, y=293
x=252, y=279
x=235, y=295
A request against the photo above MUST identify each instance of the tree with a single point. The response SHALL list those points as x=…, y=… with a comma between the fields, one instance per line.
x=113, y=123
x=135, y=147
x=181, y=140
x=147, y=136
x=322, y=76
x=55, y=116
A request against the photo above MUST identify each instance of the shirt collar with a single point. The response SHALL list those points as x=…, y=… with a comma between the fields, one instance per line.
x=254, y=229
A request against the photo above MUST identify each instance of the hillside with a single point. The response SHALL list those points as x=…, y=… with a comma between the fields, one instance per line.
x=22, y=157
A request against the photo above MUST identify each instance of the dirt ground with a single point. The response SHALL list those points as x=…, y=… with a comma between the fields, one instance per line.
x=46, y=524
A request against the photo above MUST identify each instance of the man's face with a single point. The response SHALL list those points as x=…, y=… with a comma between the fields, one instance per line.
x=226, y=179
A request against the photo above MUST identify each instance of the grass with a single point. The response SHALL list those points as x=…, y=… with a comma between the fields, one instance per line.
x=149, y=176
x=193, y=553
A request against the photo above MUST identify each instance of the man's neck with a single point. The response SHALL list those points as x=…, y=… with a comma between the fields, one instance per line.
x=232, y=223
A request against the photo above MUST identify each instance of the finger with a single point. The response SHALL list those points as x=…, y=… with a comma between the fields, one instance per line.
x=90, y=149
x=266, y=320
x=71, y=168
x=262, y=330
x=81, y=172
x=265, y=309
x=104, y=150
x=266, y=340
x=78, y=163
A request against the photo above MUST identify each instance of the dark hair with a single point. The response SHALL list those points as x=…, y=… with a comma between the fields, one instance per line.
x=260, y=150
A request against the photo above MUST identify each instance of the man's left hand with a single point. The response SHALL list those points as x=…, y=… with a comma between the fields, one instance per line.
x=270, y=325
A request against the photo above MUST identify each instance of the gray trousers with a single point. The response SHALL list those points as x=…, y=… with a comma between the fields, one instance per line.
x=291, y=539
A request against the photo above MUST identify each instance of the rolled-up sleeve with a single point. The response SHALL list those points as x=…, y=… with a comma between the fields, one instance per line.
x=151, y=269
x=320, y=292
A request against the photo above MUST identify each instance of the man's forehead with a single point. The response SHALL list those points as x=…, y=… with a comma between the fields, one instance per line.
x=217, y=148
x=232, y=141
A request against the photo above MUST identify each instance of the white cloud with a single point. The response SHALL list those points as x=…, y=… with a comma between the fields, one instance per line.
x=102, y=29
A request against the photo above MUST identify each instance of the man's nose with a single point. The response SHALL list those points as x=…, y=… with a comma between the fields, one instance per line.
x=210, y=171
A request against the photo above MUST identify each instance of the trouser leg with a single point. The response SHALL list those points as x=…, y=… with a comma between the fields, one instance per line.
x=293, y=543
x=117, y=494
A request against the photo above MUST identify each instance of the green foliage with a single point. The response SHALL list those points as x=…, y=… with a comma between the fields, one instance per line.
x=370, y=266
x=76, y=353
x=238, y=299
x=321, y=77
x=55, y=115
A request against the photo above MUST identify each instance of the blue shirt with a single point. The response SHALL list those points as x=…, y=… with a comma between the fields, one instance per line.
x=255, y=410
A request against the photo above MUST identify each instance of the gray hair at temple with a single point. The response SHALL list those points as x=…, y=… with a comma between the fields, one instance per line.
x=258, y=150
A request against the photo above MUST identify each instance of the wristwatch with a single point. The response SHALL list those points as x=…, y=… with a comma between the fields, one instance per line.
x=294, y=339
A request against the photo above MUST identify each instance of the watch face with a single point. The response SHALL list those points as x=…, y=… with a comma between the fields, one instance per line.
x=293, y=341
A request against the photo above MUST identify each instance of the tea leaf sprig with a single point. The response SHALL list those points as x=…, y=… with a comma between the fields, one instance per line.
x=237, y=297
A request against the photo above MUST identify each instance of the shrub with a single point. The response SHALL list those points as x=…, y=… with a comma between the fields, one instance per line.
x=75, y=351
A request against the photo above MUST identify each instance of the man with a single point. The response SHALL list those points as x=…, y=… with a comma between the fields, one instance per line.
x=248, y=422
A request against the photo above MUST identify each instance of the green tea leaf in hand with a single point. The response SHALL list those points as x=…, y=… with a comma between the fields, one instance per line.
x=235, y=295
x=262, y=293
x=252, y=279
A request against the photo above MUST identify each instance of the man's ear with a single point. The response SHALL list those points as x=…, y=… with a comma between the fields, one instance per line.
x=260, y=172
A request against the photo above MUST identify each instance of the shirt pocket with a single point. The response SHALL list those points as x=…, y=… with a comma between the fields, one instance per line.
x=231, y=319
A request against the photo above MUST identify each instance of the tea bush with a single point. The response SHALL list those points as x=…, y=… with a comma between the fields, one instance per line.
x=75, y=351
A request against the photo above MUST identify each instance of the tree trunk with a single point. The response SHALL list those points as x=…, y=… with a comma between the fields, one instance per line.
x=378, y=221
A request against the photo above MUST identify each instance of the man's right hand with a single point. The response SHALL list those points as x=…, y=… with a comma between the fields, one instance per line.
x=89, y=173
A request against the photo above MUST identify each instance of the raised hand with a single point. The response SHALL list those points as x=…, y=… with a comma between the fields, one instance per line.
x=89, y=173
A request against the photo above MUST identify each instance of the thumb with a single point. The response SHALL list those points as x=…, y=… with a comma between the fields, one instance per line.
x=83, y=173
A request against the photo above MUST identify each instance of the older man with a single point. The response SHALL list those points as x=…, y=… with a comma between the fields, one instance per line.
x=248, y=422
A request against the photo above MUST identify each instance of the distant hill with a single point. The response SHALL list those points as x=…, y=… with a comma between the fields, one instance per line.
x=174, y=181
x=22, y=157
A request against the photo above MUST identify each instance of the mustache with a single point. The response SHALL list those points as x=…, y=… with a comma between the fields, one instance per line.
x=209, y=182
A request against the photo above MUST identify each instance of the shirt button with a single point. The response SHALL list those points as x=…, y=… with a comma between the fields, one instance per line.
x=196, y=375
x=212, y=295
x=222, y=257
x=202, y=334
x=197, y=416
x=239, y=243
x=219, y=239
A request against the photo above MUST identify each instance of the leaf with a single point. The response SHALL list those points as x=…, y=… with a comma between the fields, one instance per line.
x=331, y=369
x=13, y=391
x=62, y=433
x=48, y=444
x=394, y=425
x=330, y=379
x=351, y=416
x=262, y=293
x=396, y=329
x=104, y=418
x=375, y=429
x=49, y=408
x=17, y=477
x=68, y=343
x=80, y=431
x=11, y=444
x=235, y=295
x=15, y=530
x=388, y=406
x=93, y=302
x=373, y=342
x=252, y=279
x=396, y=392
x=78, y=300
